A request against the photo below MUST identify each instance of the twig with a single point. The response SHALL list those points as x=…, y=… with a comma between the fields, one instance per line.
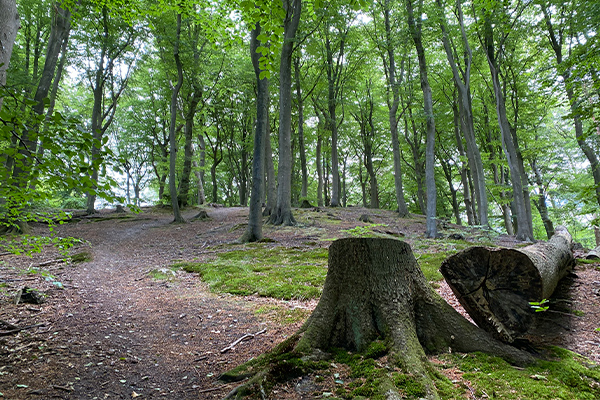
x=43, y=264
x=246, y=336
x=214, y=389
x=17, y=330
x=66, y=389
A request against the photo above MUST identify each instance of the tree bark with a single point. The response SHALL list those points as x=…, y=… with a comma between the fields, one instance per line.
x=394, y=87
x=60, y=30
x=254, y=230
x=416, y=33
x=269, y=173
x=188, y=132
x=10, y=24
x=495, y=286
x=301, y=144
x=177, y=218
x=519, y=182
x=374, y=290
x=467, y=125
x=282, y=214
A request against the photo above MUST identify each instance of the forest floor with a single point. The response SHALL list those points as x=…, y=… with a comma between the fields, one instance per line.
x=113, y=331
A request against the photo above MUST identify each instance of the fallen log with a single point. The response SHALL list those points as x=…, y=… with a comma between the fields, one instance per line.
x=496, y=286
x=593, y=254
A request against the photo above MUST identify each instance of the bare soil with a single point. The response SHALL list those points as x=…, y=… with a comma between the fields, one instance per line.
x=114, y=332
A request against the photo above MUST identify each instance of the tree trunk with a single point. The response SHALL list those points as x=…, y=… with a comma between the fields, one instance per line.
x=519, y=182
x=254, y=231
x=333, y=74
x=61, y=28
x=374, y=290
x=495, y=286
x=9, y=26
x=301, y=145
x=394, y=86
x=188, y=132
x=177, y=218
x=415, y=29
x=282, y=214
x=466, y=113
x=271, y=180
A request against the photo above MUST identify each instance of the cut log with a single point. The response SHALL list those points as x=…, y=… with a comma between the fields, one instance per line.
x=496, y=286
x=593, y=254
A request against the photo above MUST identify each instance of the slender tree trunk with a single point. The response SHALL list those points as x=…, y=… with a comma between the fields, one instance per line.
x=415, y=29
x=466, y=113
x=301, y=145
x=200, y=170
x=333, y=72
x=463, y=170
x=254, y=230
x=271, y=179
x=177, y=218
x=394, y=87
x=540, y=203
x=524, y=232
x=9, y=26
x=318, y=157
x=282, y=214
x=188, y=132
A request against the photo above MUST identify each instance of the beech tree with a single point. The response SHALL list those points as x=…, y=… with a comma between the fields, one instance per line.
x=10, y=24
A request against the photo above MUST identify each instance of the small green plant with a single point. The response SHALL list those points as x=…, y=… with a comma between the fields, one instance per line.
x=48, y=277
x=540, y=306
x=163, y=274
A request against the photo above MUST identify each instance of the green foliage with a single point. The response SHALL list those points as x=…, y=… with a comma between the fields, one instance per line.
x=540, y=306
x=28, y=244
x=279, y=272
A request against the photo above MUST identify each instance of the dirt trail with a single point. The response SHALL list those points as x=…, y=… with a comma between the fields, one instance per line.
x=116, y=333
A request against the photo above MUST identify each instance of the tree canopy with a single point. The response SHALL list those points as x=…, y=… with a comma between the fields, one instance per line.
x=484, y=113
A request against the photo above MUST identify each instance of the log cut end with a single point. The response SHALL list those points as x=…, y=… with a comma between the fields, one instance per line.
x=496, y=286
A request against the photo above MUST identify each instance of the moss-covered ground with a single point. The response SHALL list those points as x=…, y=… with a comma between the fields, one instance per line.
x=265, y=270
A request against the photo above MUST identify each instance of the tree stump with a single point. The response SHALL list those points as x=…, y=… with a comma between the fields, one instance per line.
x=496, y=286
x=374, y=290
x=119, y=209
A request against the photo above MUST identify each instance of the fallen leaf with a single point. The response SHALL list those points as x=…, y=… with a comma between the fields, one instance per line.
x=134, y=395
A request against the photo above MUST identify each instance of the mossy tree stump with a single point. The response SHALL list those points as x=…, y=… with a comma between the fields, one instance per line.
x=374, y=290
x=496, y=286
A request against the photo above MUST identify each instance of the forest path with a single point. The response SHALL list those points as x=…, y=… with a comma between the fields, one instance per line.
x=117, y=333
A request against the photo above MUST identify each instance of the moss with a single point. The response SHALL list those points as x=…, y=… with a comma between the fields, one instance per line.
x=409, y=385
x=80, y=257
x=376, y=349
x=430, y=264
x=279, y=272
x=161, y=274
x=564, y=377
